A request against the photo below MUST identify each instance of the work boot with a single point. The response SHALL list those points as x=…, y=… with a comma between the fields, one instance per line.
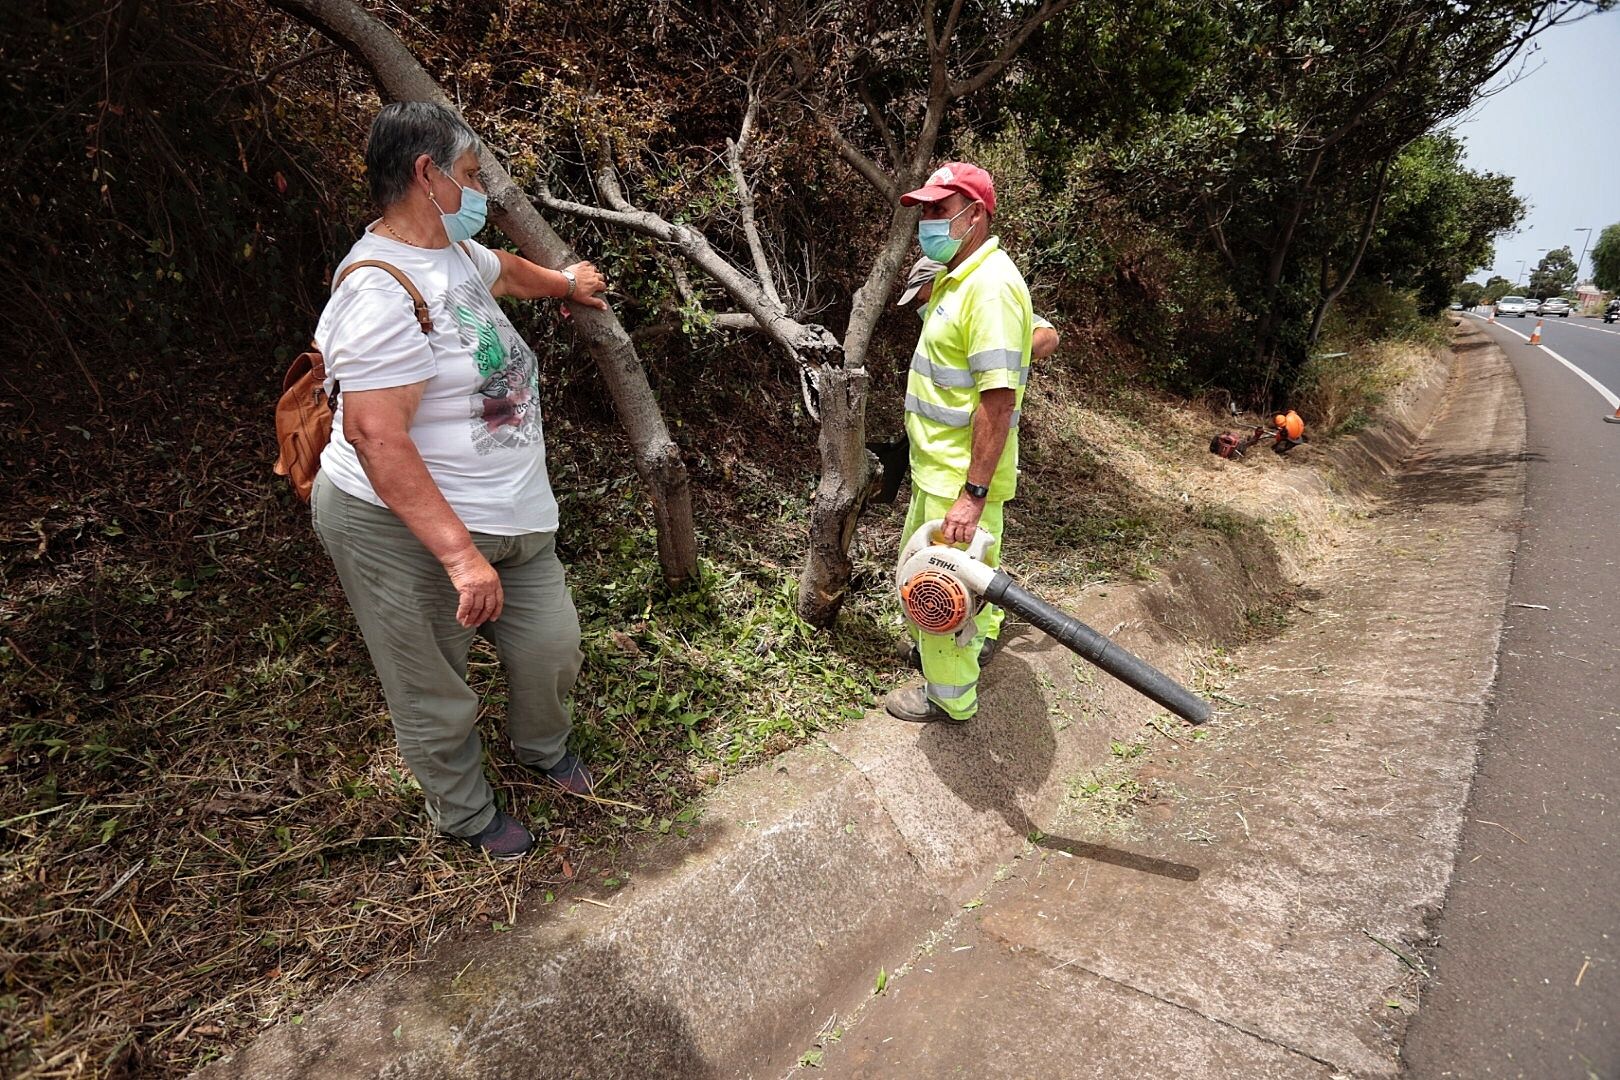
x=504, y=838
x=914, y=706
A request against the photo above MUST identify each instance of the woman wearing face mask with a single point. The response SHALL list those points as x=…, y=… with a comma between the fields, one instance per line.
x=967, y=381
x=433, y=499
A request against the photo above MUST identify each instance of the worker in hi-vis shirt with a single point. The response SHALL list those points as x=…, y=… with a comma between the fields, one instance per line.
x=963, y=393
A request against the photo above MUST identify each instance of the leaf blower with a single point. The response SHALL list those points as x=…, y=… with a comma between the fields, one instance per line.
x=943, y=587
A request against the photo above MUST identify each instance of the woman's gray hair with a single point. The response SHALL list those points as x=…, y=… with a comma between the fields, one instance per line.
x=403, y=132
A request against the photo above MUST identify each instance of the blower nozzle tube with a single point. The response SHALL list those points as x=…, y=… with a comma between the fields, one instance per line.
x=1075, y=635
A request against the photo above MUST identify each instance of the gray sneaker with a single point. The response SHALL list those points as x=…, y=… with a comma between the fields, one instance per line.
x=570, y=774
x=504, y=838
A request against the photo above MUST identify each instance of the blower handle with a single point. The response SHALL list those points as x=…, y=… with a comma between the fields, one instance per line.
x=1075, y=635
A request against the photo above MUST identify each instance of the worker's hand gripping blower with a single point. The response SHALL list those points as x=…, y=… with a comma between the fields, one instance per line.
x=943, y=587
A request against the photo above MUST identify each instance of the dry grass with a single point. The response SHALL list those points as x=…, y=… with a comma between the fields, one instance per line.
x=1342, y=393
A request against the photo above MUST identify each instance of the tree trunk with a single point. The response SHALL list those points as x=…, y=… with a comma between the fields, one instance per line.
x=1265, y=337
x=845, y=465
x=658, y=459
x=1329, y=297
x=837, y=503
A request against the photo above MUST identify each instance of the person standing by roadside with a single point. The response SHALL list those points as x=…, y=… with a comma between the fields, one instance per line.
x=918, y=289
x=433, y=500
x=963, y=394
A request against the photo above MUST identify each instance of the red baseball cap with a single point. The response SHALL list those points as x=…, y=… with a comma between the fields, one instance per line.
x=955, y=176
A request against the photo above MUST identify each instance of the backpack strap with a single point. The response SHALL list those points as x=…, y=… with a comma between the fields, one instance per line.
x=423, y=319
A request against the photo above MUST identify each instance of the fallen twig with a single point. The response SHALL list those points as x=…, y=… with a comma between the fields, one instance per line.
x=123, y=879
x=1504, y=828
x=1414, y=964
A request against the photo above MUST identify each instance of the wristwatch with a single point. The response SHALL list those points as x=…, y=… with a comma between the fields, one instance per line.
x=573, y=283
x=978, y=491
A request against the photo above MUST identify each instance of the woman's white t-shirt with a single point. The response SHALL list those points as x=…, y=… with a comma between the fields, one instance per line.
x=478, y=427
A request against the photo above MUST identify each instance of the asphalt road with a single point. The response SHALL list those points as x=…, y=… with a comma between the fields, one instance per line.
x=1528, y=954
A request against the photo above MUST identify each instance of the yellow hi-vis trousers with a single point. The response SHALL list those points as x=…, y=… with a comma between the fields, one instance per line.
x=952, y=674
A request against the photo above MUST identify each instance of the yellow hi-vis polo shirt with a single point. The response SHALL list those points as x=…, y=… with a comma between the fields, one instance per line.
x=975, y=337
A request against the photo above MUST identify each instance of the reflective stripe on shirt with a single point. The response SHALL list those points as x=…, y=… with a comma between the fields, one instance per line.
x=939, y=414
x=995, y=360
x=940, y=374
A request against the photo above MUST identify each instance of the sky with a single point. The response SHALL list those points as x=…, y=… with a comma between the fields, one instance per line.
x=1556, y=131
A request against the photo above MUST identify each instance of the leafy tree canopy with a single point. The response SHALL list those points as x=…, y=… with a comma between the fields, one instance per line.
x=1554, y=275
x=1496, y=288
x=1606, y=259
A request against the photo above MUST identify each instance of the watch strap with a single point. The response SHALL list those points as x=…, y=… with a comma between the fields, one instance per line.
x=978, y=491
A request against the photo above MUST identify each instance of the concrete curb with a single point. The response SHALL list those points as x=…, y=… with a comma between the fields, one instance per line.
x=733, y=946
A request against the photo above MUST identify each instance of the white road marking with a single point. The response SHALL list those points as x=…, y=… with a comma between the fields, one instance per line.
x=1607, y=394
x=1595, y=329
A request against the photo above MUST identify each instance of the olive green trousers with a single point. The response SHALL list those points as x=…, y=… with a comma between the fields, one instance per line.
x=406, y=607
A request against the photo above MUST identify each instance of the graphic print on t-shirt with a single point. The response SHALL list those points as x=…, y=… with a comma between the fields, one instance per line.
x=506, y=410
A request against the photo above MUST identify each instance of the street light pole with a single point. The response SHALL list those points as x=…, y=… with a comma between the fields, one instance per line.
x=1529, y=285
x=1584, y=242
x=1520, y=275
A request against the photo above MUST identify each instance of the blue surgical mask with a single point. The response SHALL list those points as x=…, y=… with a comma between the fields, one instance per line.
x=935, y=239
x=465, y=223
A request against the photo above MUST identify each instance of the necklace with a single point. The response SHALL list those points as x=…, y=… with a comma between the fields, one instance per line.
x=395, y=231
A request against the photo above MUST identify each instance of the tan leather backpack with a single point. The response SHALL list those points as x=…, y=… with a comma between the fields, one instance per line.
x=304, y=413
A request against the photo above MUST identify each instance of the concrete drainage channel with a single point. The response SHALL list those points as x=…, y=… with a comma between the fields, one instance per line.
x=731, y=946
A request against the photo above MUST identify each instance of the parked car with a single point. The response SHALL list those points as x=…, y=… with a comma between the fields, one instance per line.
x=1554, y=305
x=1455, y=305
x=1513, y=305
x=1612, y=312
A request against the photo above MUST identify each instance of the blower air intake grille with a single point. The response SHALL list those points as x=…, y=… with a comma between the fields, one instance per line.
x=936, y=602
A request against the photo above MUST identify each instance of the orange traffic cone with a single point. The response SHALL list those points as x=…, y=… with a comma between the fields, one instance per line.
x=1615, y=419
x=1493, y=314
x=1535, y=335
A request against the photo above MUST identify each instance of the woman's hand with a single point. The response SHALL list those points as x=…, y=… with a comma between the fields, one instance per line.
x=588, y=282
x=479, y=586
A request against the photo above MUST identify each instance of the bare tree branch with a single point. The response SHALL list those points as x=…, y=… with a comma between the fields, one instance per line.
x=864, y=92
x=805, y=343
x=723, y=320
x=870, y=170
x=301, y=58
x=745, y=198
x=950, y=24
x=986, y=74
